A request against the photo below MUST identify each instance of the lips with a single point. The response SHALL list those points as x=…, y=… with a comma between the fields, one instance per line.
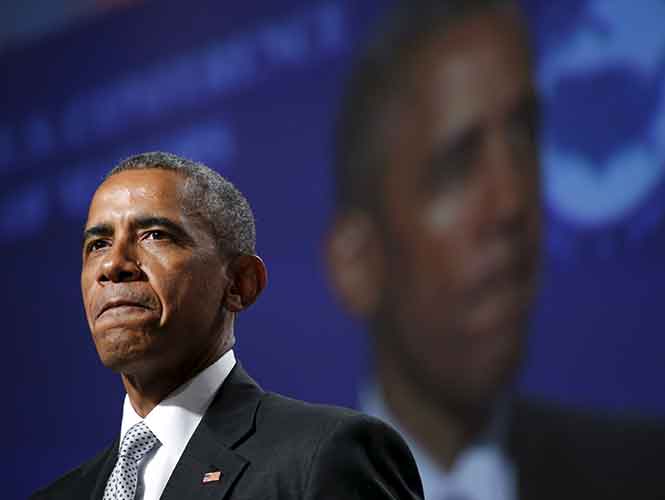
x=515, y=271
x=509, y=271
x=120, y=303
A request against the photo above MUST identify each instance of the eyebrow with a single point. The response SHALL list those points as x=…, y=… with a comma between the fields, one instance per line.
x=145, y=222
x=106, y=230
x=527, y=106
x=98, y=230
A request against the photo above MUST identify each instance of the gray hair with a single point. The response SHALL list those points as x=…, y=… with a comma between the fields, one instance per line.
x=221, y=204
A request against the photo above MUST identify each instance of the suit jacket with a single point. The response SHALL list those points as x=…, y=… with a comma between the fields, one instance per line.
x=561, y=454
x=271, y=447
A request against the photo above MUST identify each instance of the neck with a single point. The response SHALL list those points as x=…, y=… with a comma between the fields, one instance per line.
x=146, y=389
x=145, y=394
x=442, y=430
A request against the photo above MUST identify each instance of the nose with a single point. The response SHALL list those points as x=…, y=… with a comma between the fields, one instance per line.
x=120, y=264
x=513, y=183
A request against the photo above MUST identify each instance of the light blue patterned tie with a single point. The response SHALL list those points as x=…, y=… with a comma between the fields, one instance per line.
x=122, y=482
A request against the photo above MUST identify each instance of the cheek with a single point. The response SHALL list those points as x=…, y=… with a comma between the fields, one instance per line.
x=425, y=303
x=436, y=257
x=188, y=293
x=443, y=213
x=423, y=293
x=87, y=290
x=422, y=336
x=172, y=291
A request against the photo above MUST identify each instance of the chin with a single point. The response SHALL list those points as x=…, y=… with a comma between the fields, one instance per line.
x=120, y=351
x=495, y=377
x=118, y=361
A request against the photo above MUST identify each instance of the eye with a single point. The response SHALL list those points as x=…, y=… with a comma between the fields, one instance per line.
x=524, y=127
x=96, y=245
x=523, y=131
x=155, y=234
x=450, y=166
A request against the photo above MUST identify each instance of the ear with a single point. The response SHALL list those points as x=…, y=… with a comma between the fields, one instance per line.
x=356, y=261
x=248, y=277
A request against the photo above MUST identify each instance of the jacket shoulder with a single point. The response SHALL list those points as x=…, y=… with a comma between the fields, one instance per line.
x=61, y=487
x=278, y=406
x=334, y=452
x=618, y=455
x=306, y=421
x=68, y=484
x=592, y=428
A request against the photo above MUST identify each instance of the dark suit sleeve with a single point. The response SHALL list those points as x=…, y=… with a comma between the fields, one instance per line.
x=363, y=458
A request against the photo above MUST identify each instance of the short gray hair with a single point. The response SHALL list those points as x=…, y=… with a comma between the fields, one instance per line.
x=223, y=206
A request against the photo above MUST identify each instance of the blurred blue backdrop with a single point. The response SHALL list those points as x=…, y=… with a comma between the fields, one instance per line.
x=251, y=88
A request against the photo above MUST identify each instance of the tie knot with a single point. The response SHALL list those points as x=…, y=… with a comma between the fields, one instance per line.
x=138, y=441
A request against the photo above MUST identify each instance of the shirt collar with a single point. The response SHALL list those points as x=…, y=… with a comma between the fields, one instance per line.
x=174, y=420
x=482, y=471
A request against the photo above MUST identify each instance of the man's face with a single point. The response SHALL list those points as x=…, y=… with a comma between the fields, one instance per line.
x=461, y=211
x=153, y=281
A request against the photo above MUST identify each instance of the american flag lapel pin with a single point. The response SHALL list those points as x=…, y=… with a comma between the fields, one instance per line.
x=212, y=476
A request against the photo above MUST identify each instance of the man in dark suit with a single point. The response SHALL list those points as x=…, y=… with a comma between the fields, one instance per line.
x=168, y=261
x=435, y=245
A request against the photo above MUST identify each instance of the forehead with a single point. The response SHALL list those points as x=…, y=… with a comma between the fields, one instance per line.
x=134, y=191
x=474, y=72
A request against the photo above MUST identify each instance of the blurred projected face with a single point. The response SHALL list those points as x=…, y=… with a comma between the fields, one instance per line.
x=152, y=280
x=461, y=210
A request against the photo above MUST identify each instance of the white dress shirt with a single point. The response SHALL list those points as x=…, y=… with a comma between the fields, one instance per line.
x=483, y=471
x=173, y=421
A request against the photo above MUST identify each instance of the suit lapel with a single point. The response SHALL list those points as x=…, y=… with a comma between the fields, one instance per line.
x=229, y=419
x=104, y=469
x=204, y=455
x=94, y=474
